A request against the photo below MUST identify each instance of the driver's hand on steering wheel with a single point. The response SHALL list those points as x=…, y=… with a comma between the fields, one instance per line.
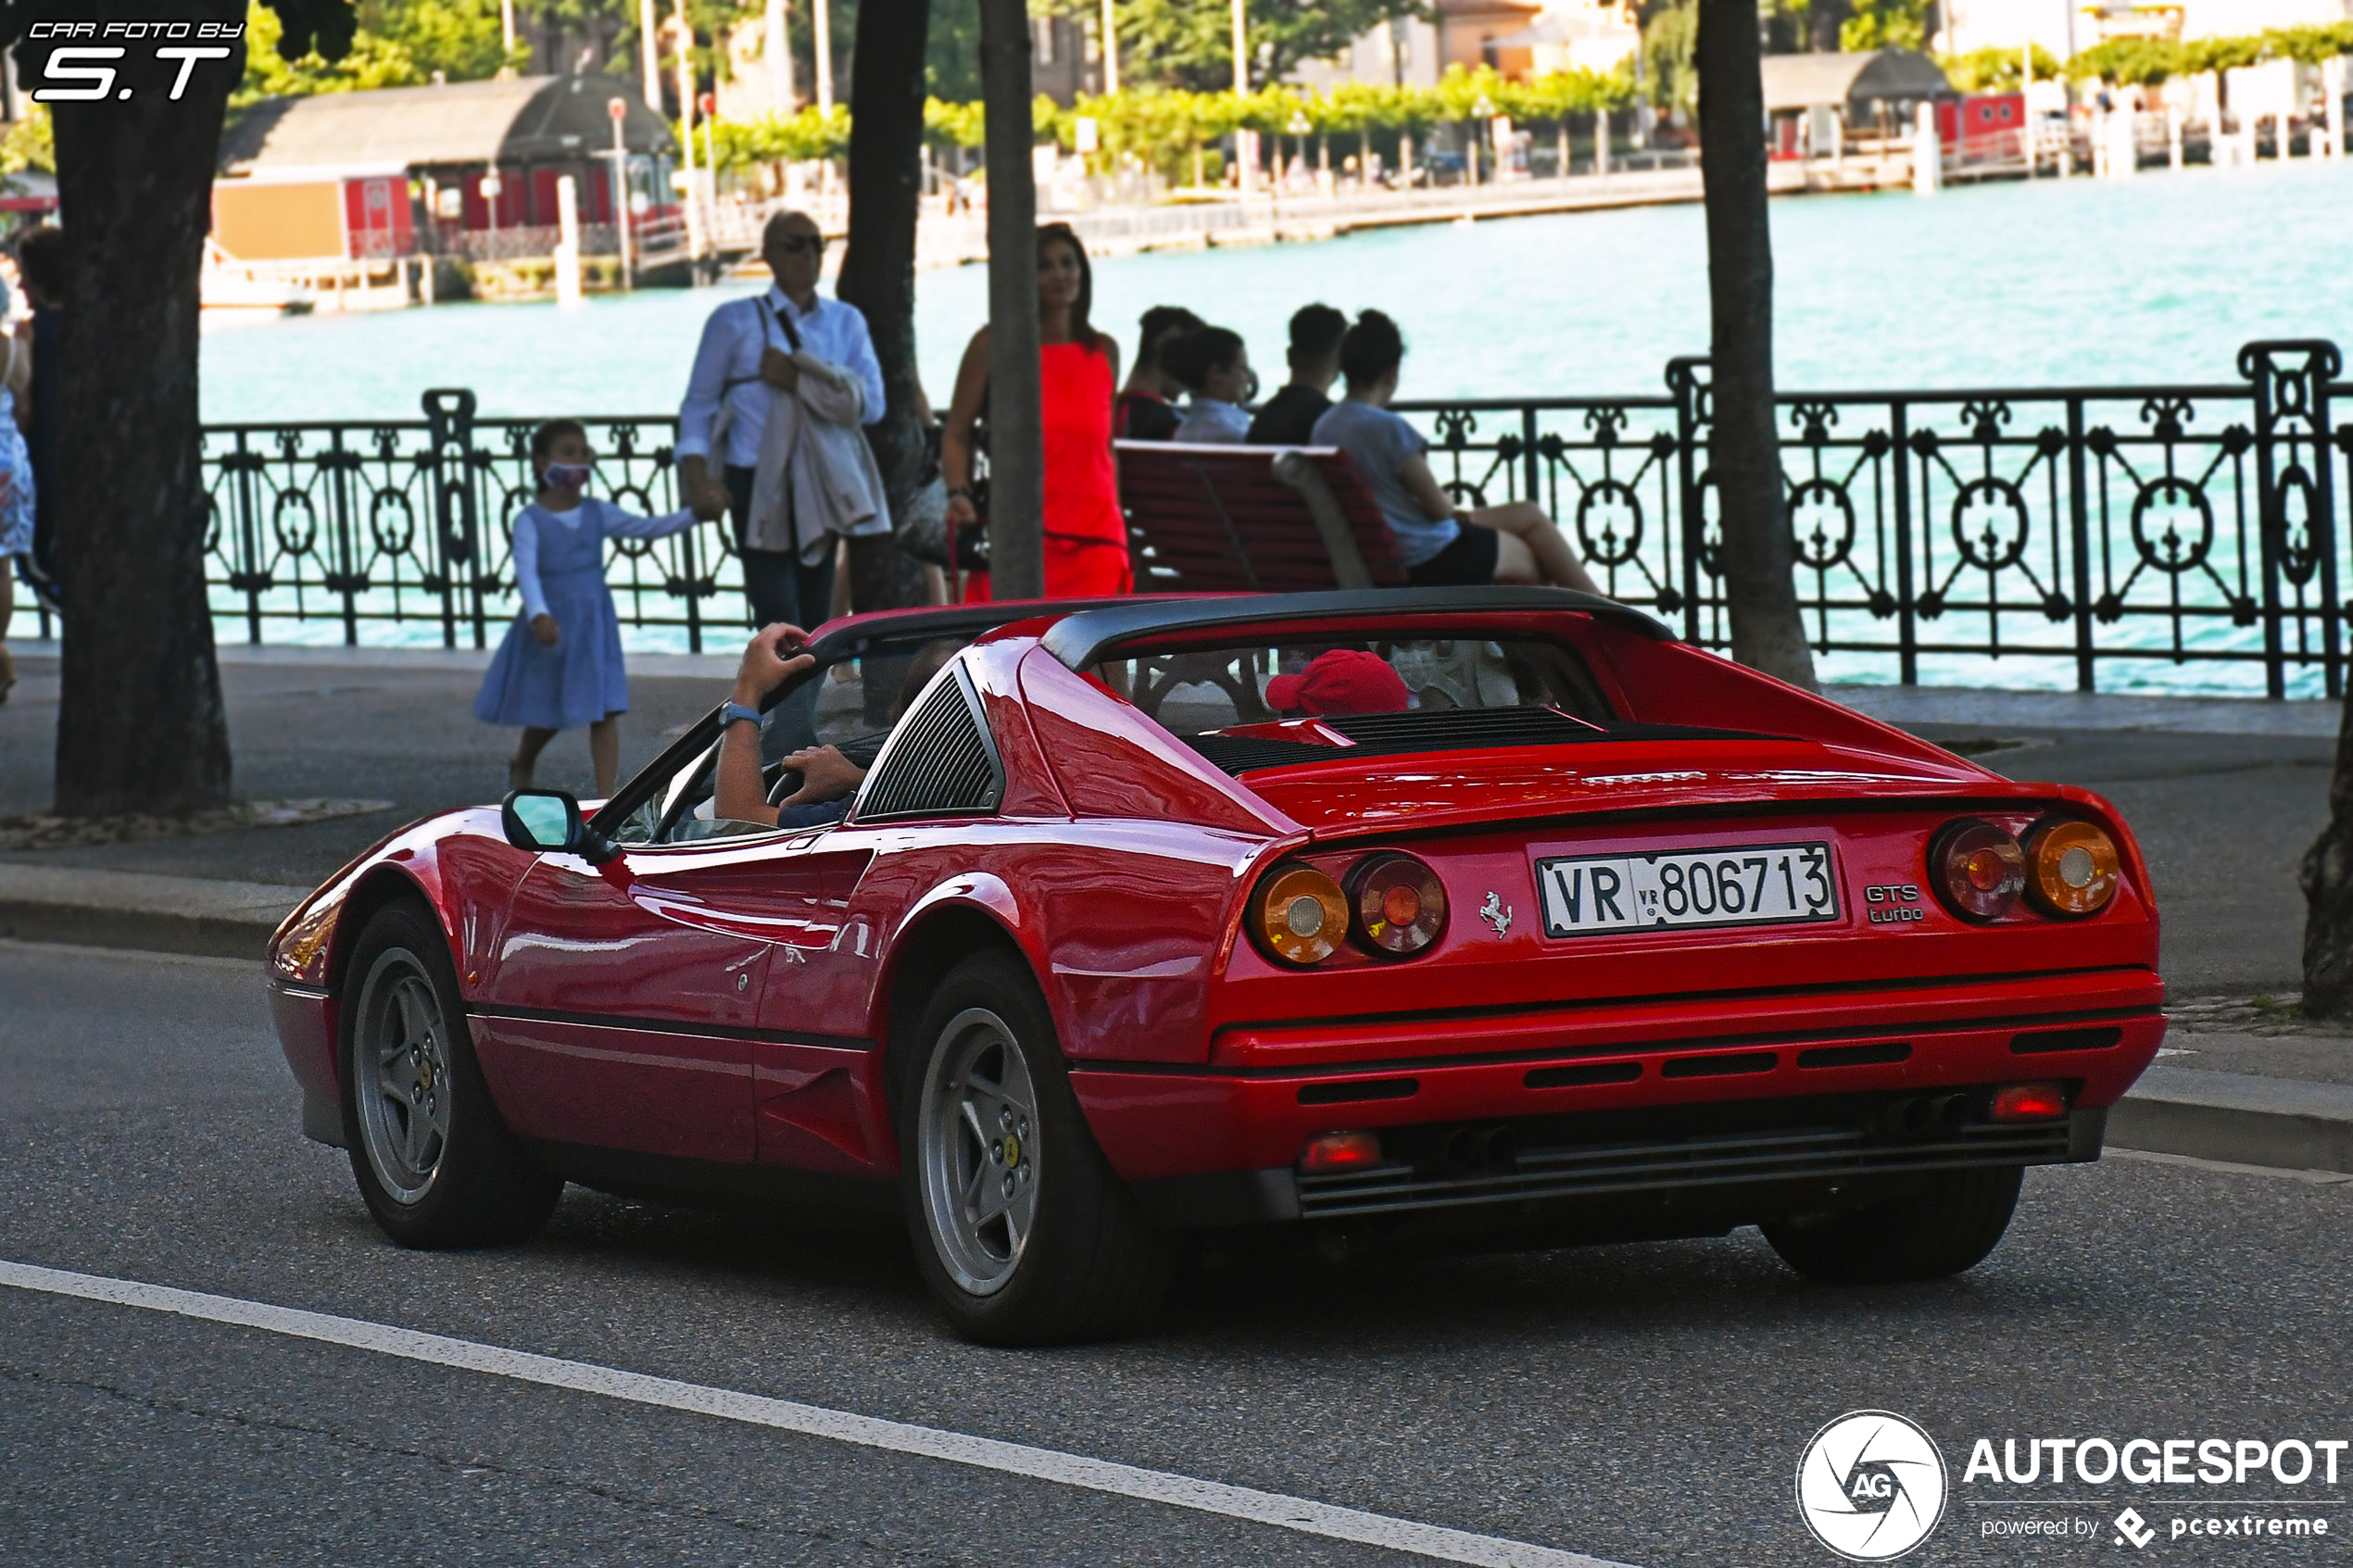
x=771, y=658
x=825, y=774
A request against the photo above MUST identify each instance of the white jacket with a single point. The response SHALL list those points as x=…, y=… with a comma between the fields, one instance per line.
x=814, y=438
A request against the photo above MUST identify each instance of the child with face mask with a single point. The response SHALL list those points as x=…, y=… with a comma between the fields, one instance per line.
x=560, y=667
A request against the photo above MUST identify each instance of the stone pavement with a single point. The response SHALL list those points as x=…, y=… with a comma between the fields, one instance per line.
x=2225, y=795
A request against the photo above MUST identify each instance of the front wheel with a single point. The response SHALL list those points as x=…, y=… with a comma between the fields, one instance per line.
x=1021, y=1228
x=1946, y=1228
x=436, y=1164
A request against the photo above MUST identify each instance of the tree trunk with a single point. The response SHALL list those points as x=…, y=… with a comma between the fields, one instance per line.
x=1016, y=424
x=878, y=277
x=1761, y=587
x=2328, y=894
x=142, y=725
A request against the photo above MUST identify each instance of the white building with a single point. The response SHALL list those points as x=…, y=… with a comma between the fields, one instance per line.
x=1520, y=38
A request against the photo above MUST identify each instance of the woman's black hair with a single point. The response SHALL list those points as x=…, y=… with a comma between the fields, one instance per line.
x=40, y=262
x=1159, y=325
x=544, y=439
x=1081, y=331
x=1193, y=356
x=1372, y=348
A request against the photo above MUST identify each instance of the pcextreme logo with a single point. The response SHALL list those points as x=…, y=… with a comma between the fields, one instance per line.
x=1871, y=1485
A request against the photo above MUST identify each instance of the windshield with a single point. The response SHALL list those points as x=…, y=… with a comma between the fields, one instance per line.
x=849, y=703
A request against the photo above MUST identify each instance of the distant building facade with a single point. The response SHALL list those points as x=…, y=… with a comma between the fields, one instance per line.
x=1521, y=39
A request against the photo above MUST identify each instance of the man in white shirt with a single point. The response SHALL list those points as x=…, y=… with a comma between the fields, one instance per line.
x=746, y=359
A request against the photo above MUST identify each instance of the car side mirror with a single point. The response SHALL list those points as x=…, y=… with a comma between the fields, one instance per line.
x=548, y=820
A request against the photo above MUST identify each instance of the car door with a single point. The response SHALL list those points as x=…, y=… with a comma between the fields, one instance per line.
x=815, y=1097
x=621, y=1010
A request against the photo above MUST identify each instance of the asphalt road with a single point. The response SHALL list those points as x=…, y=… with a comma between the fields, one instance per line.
x=1645, y=1404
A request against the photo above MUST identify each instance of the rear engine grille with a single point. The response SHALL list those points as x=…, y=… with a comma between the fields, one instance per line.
x=1424, y=729
x=1802, y=1154
x=941, y=762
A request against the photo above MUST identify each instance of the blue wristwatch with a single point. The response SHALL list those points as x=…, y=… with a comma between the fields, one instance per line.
x=736, y=710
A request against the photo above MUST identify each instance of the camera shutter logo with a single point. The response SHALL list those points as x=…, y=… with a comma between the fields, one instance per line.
x=1871, y=1485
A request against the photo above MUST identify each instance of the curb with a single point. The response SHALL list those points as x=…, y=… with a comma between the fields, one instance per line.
x=2288, y=1124
x=162, y=914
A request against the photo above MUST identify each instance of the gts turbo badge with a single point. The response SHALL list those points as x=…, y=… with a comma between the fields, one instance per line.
x=1496, y=913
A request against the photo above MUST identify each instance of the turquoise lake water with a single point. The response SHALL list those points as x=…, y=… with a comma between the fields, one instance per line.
x=2078, y=282
x=2160, y=278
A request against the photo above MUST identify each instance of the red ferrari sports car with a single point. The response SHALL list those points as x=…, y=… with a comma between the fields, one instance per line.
x=1490, y=917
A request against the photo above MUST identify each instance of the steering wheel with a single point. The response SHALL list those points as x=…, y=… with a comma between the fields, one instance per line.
x=787, y=784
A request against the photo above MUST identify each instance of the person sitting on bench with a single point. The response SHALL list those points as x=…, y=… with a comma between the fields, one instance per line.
x=1288, y=417
x=1215, y=367
x=1440, y=545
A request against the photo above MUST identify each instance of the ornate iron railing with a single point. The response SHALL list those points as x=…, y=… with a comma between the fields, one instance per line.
x=2195, y=524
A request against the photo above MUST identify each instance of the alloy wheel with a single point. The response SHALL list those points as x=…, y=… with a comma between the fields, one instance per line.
x=977, y=1142
x=402, y=1065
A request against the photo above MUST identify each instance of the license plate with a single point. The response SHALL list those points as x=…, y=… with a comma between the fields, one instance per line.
x=1748, y=884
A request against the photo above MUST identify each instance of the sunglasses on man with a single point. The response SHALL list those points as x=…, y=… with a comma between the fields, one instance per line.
x=802, y=244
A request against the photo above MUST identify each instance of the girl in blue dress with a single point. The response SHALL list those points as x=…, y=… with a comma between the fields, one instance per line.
x=560, y=667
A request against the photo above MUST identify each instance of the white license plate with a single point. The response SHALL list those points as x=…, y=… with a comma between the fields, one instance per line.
x=1747, y=884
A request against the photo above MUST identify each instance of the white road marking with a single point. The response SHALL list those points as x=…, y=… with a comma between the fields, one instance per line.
x=813, y=1421
x=2278, y=1172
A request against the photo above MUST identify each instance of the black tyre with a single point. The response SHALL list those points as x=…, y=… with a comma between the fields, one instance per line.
x=1941, y=1230
x=1019, y=1227
x=434, y=1163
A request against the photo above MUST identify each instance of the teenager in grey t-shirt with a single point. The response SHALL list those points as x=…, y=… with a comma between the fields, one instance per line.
x=1378, y=443
x=1438, y=544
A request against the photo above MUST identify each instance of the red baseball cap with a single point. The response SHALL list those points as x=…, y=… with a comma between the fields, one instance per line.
x=1342, y=682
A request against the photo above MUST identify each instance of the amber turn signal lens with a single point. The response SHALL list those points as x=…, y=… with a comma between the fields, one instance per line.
x=2073, y=866
x=1976, y=868
x=2029, y=1102
x=1401, y=905
x=1300, y=915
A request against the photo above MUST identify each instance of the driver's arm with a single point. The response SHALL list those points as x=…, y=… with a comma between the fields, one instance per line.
x=737, y=795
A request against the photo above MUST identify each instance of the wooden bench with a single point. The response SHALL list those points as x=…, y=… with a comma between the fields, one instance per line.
x=1273, y=520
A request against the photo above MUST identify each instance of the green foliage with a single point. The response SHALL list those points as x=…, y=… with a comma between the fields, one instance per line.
x=2311, y=45
x=397, y=43
x=1671, y=40
x=1884, y=24
x=2128, y=62
x=775, y=138
x=1995, y=71
x=1190, y=44
x=29, y=144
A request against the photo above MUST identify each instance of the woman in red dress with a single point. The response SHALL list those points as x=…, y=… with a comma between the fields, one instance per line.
x=1078, y=373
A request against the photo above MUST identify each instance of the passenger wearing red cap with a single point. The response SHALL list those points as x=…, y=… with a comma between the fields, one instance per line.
x=1339, y=683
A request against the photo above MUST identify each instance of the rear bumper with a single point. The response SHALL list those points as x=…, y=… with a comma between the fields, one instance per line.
x=1214, y=1140
x=1674, y=1186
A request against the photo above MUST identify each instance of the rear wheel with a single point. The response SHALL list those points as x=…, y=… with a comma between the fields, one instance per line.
x=1945, y=1227
x=434, y=1164
x=1021, y=1228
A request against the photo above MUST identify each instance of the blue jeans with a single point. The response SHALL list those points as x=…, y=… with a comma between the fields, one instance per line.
x=778, y=586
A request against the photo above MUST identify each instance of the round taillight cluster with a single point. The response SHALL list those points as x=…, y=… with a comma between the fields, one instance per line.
x=1981, y=870
x=1401, y=905
x=1394, y=906
x=2072, y=868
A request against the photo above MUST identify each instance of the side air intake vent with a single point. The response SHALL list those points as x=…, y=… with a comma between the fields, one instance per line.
x=940, y=762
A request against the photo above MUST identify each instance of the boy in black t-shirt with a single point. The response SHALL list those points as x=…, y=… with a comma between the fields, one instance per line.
x=1288, y=417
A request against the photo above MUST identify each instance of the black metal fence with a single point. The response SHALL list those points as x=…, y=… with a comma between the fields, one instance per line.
x=2195, y=524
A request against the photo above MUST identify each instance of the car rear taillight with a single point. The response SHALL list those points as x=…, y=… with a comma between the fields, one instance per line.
x=1299, y=915
x=1401, y=905
x=1339, y=1151
x=1976, y=868
x=2029, y=1102
x=2071, y=868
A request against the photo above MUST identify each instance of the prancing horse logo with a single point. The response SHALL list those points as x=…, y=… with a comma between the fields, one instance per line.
x=1496, y=913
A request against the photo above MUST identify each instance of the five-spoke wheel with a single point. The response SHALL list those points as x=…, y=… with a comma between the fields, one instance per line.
x=435, y=1161
x=979, y=1149
x=1021, y=1228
